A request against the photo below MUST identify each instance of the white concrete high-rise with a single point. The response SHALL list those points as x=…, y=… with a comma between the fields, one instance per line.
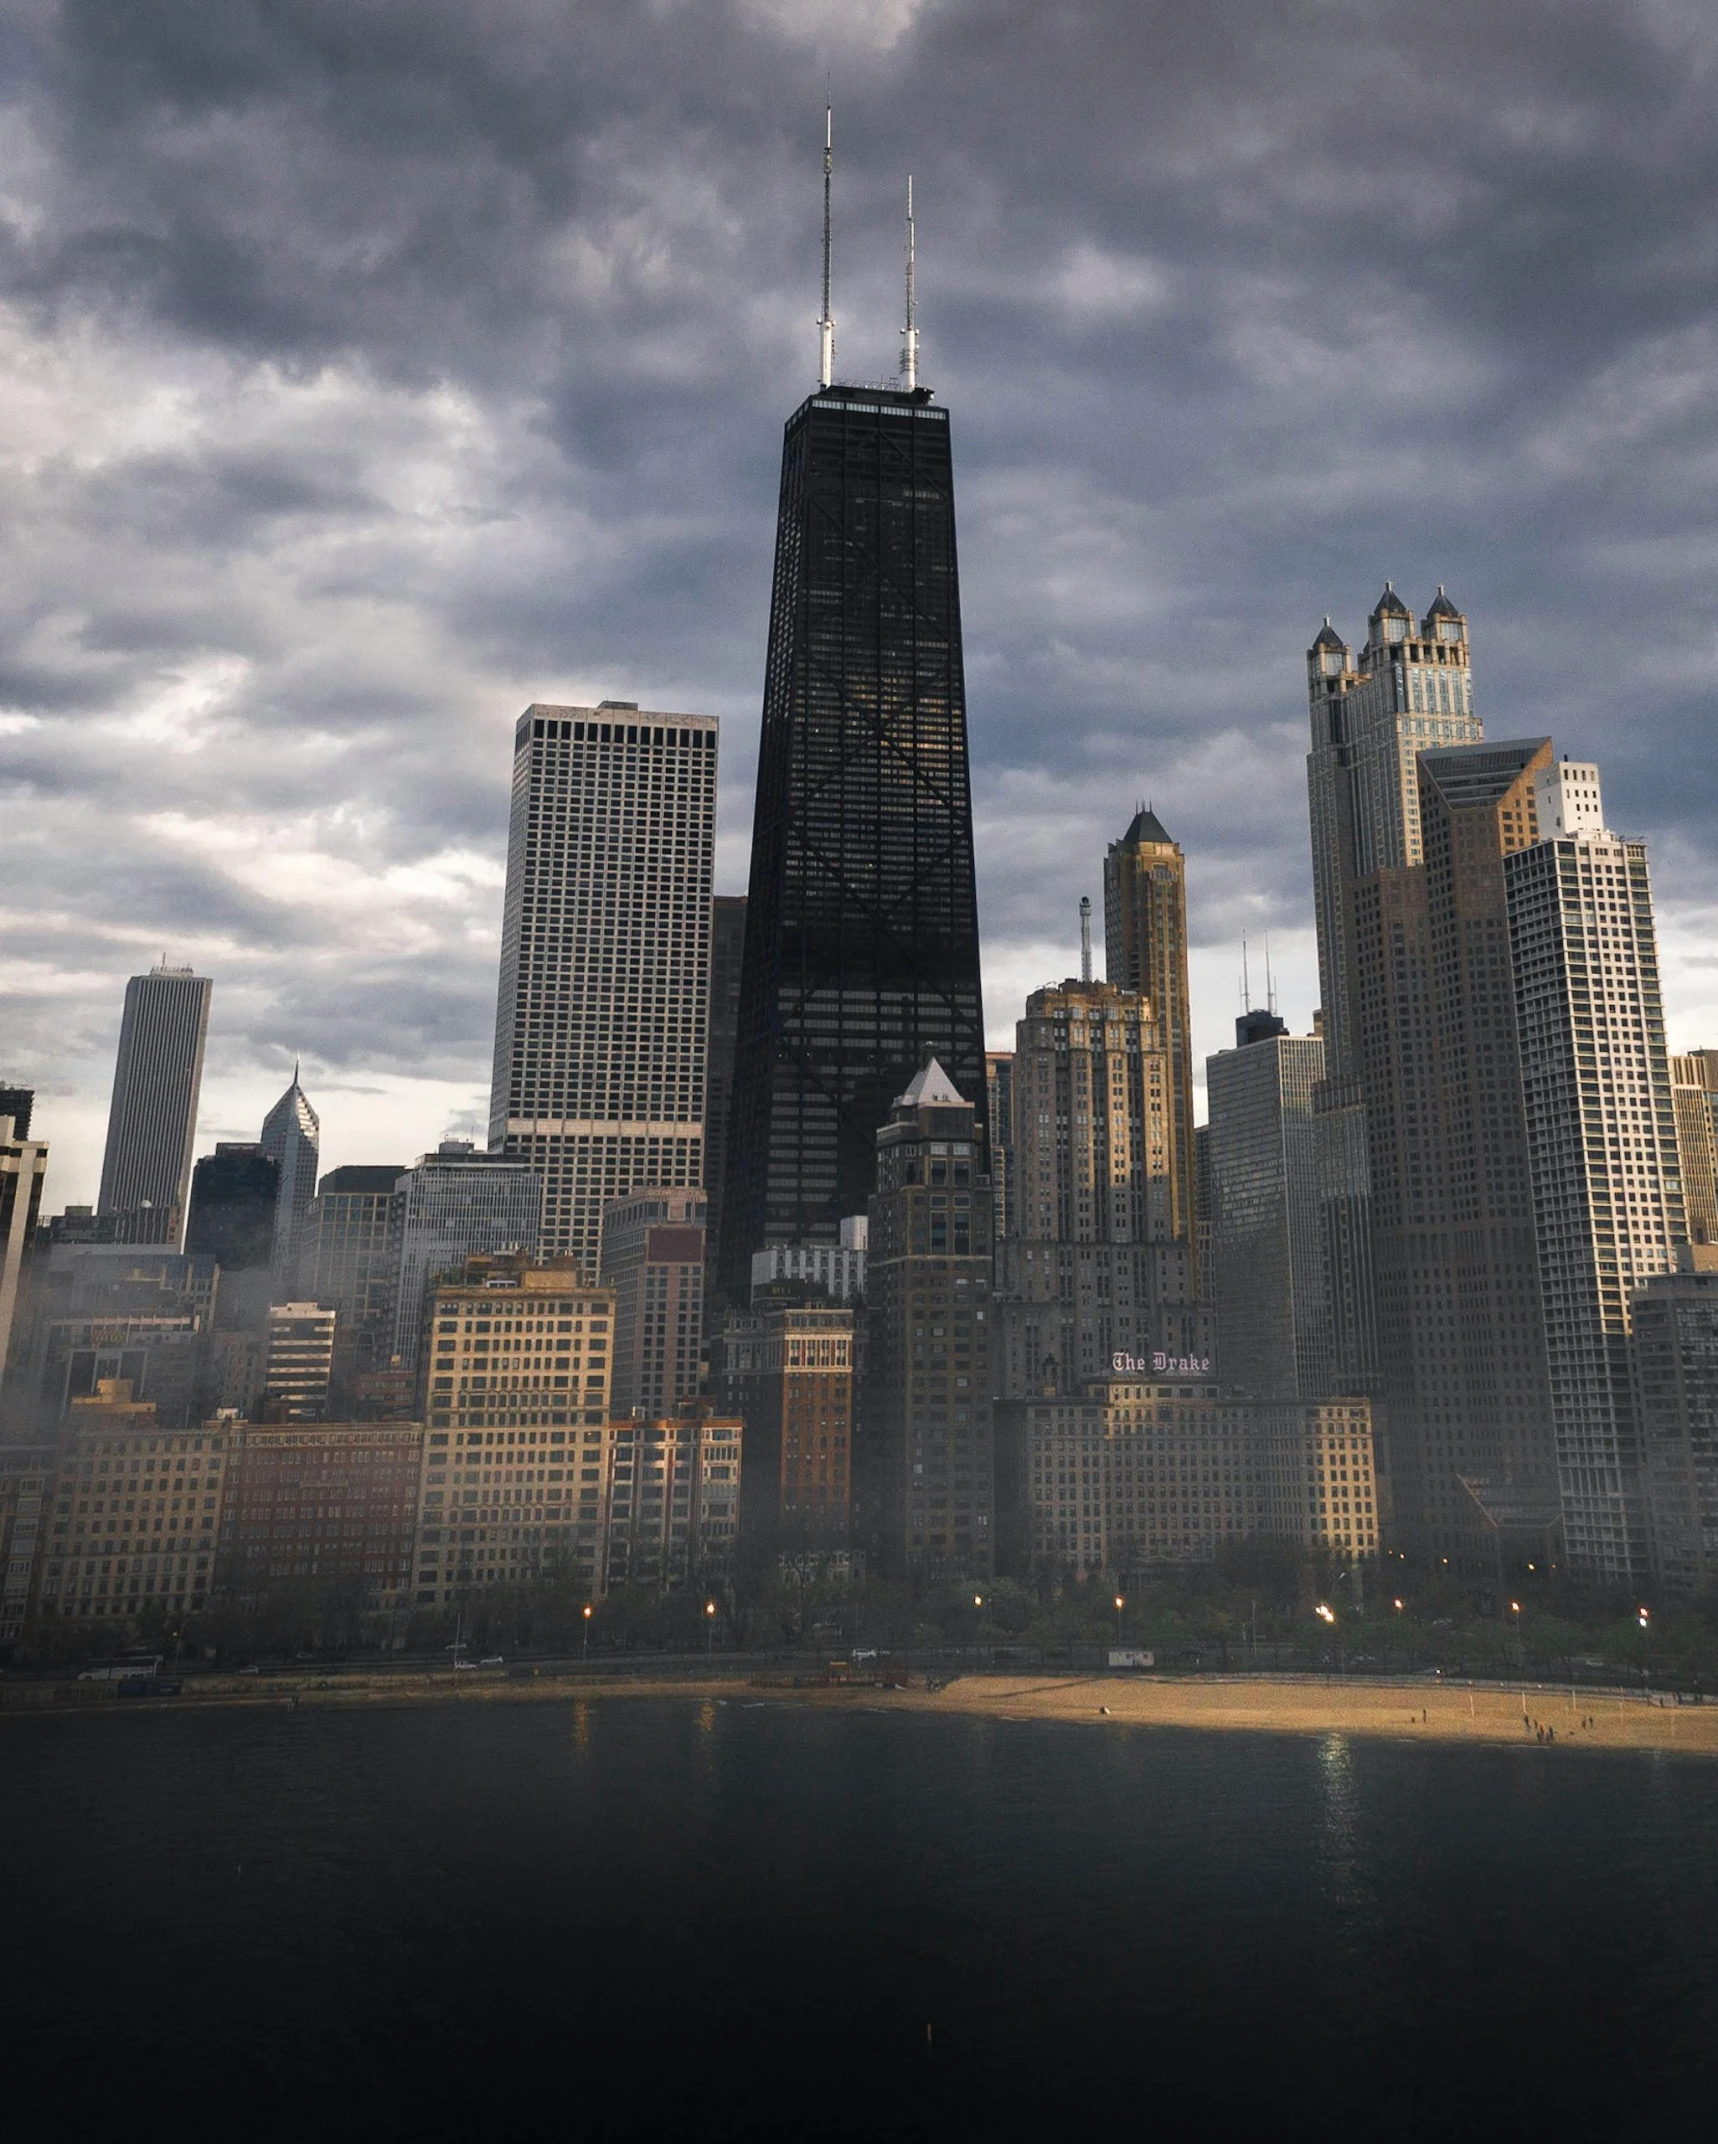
x=152, y=1123
x=1602, y=1147
x=601, y=1026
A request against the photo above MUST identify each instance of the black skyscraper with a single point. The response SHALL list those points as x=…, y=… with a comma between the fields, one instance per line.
x=861, y=954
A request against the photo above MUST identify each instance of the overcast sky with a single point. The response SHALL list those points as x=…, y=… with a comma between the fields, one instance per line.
x=373, y=367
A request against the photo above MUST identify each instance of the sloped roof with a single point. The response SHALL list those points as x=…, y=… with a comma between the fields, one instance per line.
x=1442, y=607
x=1329, y=637
x=1390, y=605
x=931, y=1085
x=1147, y=826
x=1470, y=774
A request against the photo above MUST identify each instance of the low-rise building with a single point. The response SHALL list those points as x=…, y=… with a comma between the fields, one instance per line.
x=136, y=1510
x=673, y=1498
x=1137, y=1471
x=335, y=1503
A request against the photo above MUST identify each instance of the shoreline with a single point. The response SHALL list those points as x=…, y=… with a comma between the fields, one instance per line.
x=1537, y=1715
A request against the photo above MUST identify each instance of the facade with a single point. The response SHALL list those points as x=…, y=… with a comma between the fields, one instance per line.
x=837, y=1269
x=928, y=1473
x=330, y=1504
x=1130, y=1474
x=1271, y=1290
x=152, y=1120
x=787, y=1373
x=673, y=1499
x=652, y=1261
x=292, y=1139
x=1601, y=1146
x=298, y=1364
x=353, y=1265
x=1675, y=1351
x=23, y=1168
x=727, y=959
x=861, y=955
x=518, y=1388
x=1694, y=1096
x=457, y=1204
x=1145, y=948
x=137, y=1511
x=1095, y=1264
x=999, y=1089
x=601, y=1026
x=27, y=1474
x=18, y=1103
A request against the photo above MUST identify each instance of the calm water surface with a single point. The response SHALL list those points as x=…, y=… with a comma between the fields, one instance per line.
x=721, y=1920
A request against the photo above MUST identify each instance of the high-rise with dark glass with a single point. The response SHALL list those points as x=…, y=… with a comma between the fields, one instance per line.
x=861, y=954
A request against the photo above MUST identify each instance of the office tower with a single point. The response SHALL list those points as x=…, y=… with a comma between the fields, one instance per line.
x=1145, y=950
x=836, y=1270
x=1202, y=1197
x=927, y=1462
x=861, y=955
x=17, y=1103
x=298, y=1364
x=152, y=1122
x=157, y=1553
x=673, y=1486
x=1694, y=1095
x=23, y=1169
x=26, y=1484
x=331, y=1503
x=727, y=958
x=1272, y=1298
x=1129, y=1474
x=453, y=1205
x=999, y=1091
x=517, y=1427
x=1409, y=692
x=787, y=1373
x=235, y=1194
x=600, y=1032
x=291, y=1138
x=353, y=1262
x=1601, y=1143
x=652, y=1258
x=1095, y=1266
x=1675, y=1349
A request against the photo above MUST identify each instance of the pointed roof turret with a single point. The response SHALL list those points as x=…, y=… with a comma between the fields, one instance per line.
x=1442, y=607
x=1390, y=605
x=1147, y=826
x=1328, y=637
x=930, y=1086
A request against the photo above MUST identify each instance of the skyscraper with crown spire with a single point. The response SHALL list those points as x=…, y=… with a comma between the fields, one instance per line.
x=861, y=955
x=292, y=1140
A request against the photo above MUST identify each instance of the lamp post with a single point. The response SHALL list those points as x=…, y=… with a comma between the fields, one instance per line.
x=585, y=1638
x=1643, y=1616
x=1121, y=1603
x=1520, y=1651
x=709, y=1629
x=1327, y=1615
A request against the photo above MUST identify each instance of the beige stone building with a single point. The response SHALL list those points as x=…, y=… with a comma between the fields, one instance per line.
x=1138, y=1471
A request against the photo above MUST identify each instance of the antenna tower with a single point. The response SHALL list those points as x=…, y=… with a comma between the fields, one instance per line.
x=1085, y=937
x=910, y=334
x=826, y=325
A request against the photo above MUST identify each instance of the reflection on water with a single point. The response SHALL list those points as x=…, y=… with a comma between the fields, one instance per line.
x=751, y=1915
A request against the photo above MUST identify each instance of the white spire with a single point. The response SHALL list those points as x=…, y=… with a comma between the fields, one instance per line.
x=826, y=324
x=910, y=334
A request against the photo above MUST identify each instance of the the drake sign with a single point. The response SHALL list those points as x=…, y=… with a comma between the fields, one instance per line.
x=1161, y=1365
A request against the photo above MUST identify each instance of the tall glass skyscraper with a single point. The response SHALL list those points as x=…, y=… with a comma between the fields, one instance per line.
x=292, y=1139
x=861, y=956
x=152, y=1123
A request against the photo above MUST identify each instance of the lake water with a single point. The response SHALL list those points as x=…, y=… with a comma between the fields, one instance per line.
x=677, y=1918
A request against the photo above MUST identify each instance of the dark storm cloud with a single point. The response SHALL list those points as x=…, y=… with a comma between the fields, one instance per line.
x=378, y=368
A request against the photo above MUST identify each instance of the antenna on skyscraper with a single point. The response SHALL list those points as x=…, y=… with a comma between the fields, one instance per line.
x=1270, y=986
x=826, y=325
x=910, y=334
x=1246, y=979
x=1085, y=937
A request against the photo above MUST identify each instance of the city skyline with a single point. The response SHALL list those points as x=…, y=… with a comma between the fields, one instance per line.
x=1164, y=379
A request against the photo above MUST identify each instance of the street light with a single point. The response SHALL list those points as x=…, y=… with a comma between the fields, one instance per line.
x=1325, y=1613
x=1520, y=1655
x=709, y=1627
x=1120, y=1605
x=585, y=1645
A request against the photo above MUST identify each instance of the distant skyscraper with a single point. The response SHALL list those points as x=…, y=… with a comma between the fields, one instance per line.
x=455, y=1204
x=235, y=1196
x=23, y=1167
x=1694, y=1091
x=17, y=1103
x=653, y=1260
x=1095, y=1265
x=1145, y=945
x=600, y=1031
x=862, y=923
x=354, y=1262
x=1272, y=1300
x=1601, y=1144
x=152, y=1123
x=928, y=1471
x=291, y=1138
x=727, y=954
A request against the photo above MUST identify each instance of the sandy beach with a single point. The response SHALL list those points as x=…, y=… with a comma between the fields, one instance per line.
x=1538, y=1715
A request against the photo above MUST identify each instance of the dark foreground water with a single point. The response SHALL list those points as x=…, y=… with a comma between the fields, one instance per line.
x=655, y=1918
